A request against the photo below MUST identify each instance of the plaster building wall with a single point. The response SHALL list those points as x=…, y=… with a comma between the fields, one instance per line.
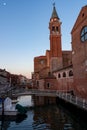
x=64, y=78
x=79, y=53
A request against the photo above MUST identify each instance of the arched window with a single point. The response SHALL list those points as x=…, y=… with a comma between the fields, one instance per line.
x=84, y=34
x=49, y=73
x=53, y=28
x=59, y=75
x=57, y=29
x=70, y=73
x=37, y=83
x=64, y=74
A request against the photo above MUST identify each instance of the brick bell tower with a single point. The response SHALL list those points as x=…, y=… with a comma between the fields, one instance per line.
x=55, y=41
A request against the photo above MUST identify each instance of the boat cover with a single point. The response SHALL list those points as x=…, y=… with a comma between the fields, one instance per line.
x=21, y=109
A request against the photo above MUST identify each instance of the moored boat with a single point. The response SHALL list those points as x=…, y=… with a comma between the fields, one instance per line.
x=9, y=108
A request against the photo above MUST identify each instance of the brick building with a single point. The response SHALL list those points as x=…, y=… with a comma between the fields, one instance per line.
x=79, y=53
x=64, y=70
x=54, y=59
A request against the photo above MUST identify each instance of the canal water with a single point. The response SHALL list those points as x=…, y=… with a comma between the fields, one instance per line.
x=43, y=114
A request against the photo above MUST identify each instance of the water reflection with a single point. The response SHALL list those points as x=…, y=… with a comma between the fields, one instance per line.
x=51, y=117
x=41, y=101
x=45, y=115
x=20, y=118
x=25, y=101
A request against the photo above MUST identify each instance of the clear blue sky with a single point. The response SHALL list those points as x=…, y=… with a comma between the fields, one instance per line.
x=24, y=32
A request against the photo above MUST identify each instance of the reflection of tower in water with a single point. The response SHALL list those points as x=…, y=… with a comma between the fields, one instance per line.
x=47, y=115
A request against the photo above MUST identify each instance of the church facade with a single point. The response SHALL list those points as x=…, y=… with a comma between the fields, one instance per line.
x=60, y=69
x=79, y=53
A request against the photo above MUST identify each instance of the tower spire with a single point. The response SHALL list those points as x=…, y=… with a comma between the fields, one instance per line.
x=53, y=4
x=55, y=41
x=54, y=13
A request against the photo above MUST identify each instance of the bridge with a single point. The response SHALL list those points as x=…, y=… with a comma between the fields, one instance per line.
x=67, y=97
x=76, y=101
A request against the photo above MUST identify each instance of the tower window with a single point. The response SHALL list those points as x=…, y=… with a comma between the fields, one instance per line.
x=57, y=29
x=83, y=15
x=84, y=34
x=53, y=28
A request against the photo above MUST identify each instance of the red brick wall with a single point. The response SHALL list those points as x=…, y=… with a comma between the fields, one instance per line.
x=61, y=84
x=64, y=78
x=79, y=55
x=67, y=58
x=53, y=84
x=44, y=73
x=39, y=63
x=55, y=46
x=80, y=87
x=48, y=57
x=65, y=84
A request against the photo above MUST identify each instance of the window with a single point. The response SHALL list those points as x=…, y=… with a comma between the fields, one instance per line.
x=57, y=29
x=64, y=74
x=49, y=73
x=84, y=34
x=83, y=15
x=48, y=85
x=37, y=83
x=59, y=76
x=53, y=28
x=70, y=73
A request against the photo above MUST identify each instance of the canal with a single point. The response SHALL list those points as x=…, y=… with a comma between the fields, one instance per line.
x=43, y=114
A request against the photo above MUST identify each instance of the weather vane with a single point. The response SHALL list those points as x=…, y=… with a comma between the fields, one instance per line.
x=53, y=3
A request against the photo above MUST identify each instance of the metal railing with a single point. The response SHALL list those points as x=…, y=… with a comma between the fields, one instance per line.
x=35, y=91
x=80, y=102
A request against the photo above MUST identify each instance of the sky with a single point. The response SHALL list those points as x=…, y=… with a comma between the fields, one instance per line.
x=24, y=30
